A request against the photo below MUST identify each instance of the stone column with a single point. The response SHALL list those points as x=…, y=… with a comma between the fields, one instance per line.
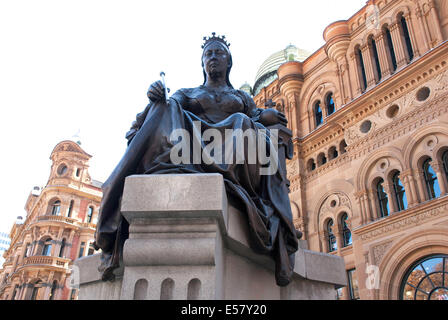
x=357, y=75
x=57, y=246
x=49, y=286
x=27, y=292
x=20, y=294
x=436, y=23
x=293, y=102
x=397, y=40
x=413, y=190
x=368, y=65
x=423, y=30
x=358, y=199
x=390, y=196
x=324, y=241
x=69, y=243
x=419, y=176
x=337, y=231
x=368, y=195
x=385, y=63
x=410, y=196
x=344, y=71
x=440, y=176
x=410, y=25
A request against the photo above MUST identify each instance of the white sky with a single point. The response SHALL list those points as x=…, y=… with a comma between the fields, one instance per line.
x=86, y=65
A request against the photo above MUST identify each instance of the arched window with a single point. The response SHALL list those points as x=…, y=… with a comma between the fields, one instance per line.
x=16, y=290
x=56, y=208
x=361, y=69
x=376, y=59
x=70, y=208
x=81, y=249
x=432, y=185
x=333, y=153
x=54, y=287
x=445, y=163
x=426, y=279
x=383, y=202
x=311, y=165
x=35, y=293
x=28, y=250
x=321, y=159
x=346, y=233
x=407, y=38
x=332, y=245
x=318, y=114
x=89, y=214
x=330, y=104
x=46, y=250
x=342, y=147
x=390, y=49
x=61, y=251
x=399, y=193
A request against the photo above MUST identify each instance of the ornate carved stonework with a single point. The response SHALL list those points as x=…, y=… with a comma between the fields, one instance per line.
x=405, y=222
x=379, y=251
x=292, y=168
x=332, y=203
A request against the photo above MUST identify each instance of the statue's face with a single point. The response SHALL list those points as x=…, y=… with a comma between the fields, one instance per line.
x=215, y=59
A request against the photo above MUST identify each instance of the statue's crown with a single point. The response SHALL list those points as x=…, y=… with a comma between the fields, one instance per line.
x=221, y=39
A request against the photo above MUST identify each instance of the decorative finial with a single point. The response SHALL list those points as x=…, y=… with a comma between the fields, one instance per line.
x=221, y=39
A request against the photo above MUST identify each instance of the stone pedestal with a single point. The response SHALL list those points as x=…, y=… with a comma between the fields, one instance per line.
x=187, y=242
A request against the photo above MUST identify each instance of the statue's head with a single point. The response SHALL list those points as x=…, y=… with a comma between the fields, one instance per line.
x=216, y=57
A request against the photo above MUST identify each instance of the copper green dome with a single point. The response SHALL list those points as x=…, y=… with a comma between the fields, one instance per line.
x=267, y=73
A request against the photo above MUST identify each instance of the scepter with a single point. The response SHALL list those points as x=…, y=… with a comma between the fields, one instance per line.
x=162, y=75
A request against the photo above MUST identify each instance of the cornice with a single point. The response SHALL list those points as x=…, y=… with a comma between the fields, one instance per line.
x=412, y=217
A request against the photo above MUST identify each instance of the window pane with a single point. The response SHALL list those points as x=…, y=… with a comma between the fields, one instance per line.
x=330, y=105
x=407, y=38
x=400, y=193
x=433, y=265
x=353, y=284
x=421, y=295
x=318, y=113
x=432, y=184
x=445, y=163
x=382, y=199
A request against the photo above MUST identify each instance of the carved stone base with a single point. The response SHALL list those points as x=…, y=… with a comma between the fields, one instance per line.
x=187, y=242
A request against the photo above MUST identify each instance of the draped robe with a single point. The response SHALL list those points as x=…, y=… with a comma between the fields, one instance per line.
x=262, y=198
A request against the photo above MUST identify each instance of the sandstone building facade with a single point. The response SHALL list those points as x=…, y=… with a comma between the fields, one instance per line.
x=369, y=117
x=369, y=178
x=59, y=228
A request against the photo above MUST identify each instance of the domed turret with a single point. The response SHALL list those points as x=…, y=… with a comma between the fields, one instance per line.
x=247, y=88
x=267, y=73
x=337, y=37
x=70, y=162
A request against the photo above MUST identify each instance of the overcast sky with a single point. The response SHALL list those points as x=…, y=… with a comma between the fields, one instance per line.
x=69, y=66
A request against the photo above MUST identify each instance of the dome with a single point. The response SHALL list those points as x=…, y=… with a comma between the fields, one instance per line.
x=267, y=72
x=247, y=88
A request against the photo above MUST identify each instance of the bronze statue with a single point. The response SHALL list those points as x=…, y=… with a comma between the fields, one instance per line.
x=217, y=105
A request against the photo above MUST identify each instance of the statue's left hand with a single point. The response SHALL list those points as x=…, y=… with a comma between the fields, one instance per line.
x=271, y=117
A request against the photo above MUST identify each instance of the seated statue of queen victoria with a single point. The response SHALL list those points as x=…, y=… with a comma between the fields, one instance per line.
x=216, y=106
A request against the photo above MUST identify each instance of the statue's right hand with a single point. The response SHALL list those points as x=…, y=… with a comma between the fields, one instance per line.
x=156, y=91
